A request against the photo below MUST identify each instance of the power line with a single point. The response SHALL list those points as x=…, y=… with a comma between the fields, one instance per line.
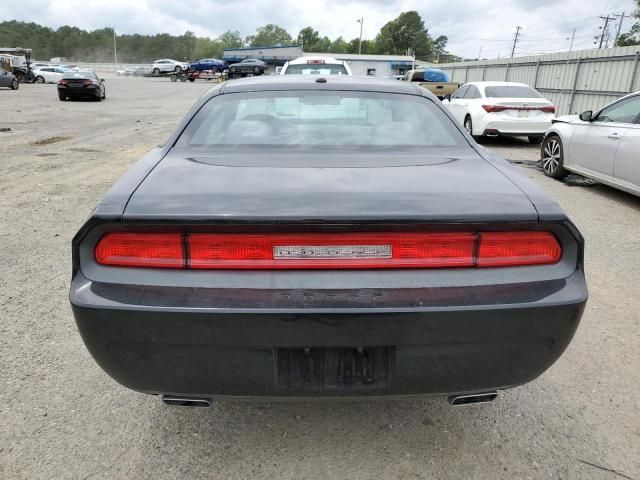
x=515, y=40
x=622, y=17
x=605, y=30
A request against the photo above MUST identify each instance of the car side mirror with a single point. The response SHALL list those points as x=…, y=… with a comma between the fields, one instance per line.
x=587, y=116
x=102, y=80
x=447, y=97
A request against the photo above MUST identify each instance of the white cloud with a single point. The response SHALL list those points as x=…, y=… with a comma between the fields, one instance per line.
x=486, y=24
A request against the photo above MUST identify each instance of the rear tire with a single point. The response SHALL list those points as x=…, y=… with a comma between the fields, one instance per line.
x=156, y=71
x=39, y=79
x=62, y=98
x=552, y=157
x=468, y=126
x=536, y=139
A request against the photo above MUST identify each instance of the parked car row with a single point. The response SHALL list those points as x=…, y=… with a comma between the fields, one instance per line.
x=247, y=66
x=601, y=145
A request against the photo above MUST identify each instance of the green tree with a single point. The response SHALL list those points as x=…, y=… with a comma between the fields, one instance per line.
x=231, y=39
x=207, y=48
x=407, y=32
x=339, y=46
x=309, y=39
x=269, y=35
x=633, y=36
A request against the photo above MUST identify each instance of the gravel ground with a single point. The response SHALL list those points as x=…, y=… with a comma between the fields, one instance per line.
x=62, y=417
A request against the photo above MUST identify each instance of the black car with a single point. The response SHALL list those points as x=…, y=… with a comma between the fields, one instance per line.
x=246, y=66
x=8, y=80
x=305, y=236
x=81, y=85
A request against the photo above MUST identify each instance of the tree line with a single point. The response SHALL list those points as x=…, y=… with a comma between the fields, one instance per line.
x=406, y=33
x=632, y=37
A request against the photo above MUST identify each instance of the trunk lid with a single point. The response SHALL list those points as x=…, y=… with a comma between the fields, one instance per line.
x=452, y=185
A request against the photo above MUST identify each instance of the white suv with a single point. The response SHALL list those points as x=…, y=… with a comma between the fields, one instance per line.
x=168, y=65
x=316, y=65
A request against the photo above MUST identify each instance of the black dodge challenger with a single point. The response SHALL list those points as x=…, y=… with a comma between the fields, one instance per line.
x=325, y=237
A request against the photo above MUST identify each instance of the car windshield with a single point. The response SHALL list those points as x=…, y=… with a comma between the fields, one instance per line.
x=316, y=69
x=511, y=91
x=327, y=119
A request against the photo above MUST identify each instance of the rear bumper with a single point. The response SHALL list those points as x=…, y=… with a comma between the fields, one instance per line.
x=516, y=128
x=201, y=342
x=83, y=92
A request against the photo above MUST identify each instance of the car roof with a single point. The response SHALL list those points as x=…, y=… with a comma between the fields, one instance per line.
x=310, y=82
x=498, y=84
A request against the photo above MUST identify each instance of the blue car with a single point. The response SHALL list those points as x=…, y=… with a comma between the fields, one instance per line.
x=209, y=64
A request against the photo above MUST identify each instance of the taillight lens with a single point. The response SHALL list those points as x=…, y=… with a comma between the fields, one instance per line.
x=327, y=251
x=502, y=108
x=63, y=82
x=494, y=108
x=88, y=83
x=162, y=250
x=343, y=251
x=507, y=249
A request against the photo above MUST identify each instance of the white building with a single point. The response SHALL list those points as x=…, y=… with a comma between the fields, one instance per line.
x=383, y=66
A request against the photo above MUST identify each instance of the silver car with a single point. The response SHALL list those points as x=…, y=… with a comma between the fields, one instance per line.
x=8, y=79
x=604, y=145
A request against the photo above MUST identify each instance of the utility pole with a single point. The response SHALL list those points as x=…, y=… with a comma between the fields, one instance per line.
x=115, y=49
x=606, y=19
x=573, y=36
x=515, y=40
x=622, y=17
x=361, y=22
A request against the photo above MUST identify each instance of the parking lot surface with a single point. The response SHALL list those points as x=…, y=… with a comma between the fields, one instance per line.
x=62, y=417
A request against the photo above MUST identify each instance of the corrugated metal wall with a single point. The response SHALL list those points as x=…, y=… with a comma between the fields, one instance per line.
x=575, y=81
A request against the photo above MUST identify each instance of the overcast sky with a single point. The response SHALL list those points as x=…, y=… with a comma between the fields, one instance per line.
x=470, y=25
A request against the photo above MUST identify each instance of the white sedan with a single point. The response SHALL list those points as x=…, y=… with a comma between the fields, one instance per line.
x=49, y=74
x=501, y=109
x=168, y=65
x=604, y=145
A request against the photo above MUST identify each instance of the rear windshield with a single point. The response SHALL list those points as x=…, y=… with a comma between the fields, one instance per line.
x=80, y=75
x=314, y=118
x=316, y=69
x=511, y=91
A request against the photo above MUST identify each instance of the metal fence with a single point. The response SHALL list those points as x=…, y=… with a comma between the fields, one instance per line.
x=574, y=81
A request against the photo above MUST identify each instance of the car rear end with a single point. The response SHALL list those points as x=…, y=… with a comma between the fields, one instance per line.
x=79, y=86
x=515, y=110
x=340, y=272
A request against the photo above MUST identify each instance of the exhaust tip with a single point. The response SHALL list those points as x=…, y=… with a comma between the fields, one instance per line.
x=484, y=397
x=178, y=401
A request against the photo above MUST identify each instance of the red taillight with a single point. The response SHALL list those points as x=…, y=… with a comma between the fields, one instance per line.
x=163, y=250
x=87, y=83
x=494, y=108
x=63, y=82
x=506, y=249
x=327, y=251
x=502, y=108
x=312, y=251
